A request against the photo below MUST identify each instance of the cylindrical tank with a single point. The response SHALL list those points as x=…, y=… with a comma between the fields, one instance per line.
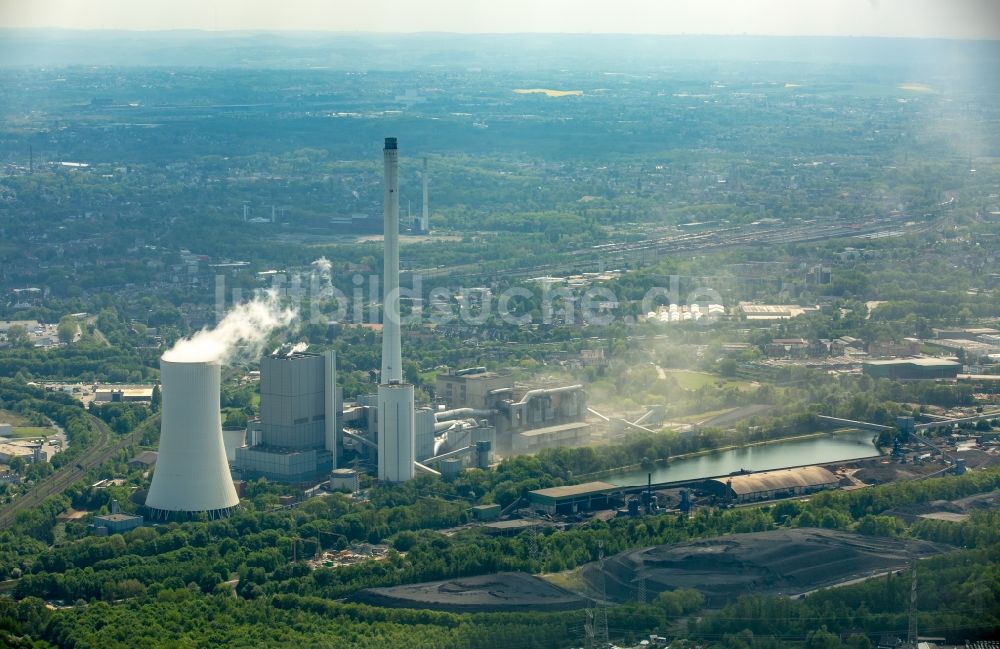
x=483, y=454
x=396, y=443
x=451, y=468
x=191, y=473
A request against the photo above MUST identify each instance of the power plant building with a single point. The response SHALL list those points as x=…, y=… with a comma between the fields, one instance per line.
x=297, y=437
x=525, y=419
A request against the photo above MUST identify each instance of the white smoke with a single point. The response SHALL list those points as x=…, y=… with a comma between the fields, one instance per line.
x=298, y=347
x=324, y=269
x=242, y=333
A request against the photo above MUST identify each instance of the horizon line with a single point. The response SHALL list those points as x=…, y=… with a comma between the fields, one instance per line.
x=261, y=31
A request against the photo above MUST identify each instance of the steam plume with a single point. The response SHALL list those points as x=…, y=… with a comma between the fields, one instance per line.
x=244, y=330
x=324, y=269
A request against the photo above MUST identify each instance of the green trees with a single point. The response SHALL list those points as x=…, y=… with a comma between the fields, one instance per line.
x=67, y=329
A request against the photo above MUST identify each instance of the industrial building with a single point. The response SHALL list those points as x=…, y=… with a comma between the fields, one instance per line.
x=768, y=485
x=471, y=387
x=913, y=369
x=191, y=474
x=117, y=523
x=574, y=498
x=142, y=461
x=772, y=312
x=30, y=452
x=297, y=437
x=525, y=419
x=140, y=394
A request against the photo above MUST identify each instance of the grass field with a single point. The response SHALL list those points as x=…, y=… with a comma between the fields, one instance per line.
x=571, y=580
x=692, y=380
x=12, y=418
x=32, y=431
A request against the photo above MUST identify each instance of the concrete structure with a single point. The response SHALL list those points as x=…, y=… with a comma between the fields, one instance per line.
x=25, y=449
x=485, y=512
x=396, y=440
x=6, y=430
x=297, y=436
x=141, y=394
x=232, y=439
x=396, y=432
x=344, y=480
x=191, y=474
x=525, y=419
x=772, y=312
x=768, y=485
x=908, y=347
x=966, y=333
x=574, y=433
x=117, y=523
x=392, y=361
x=572, y=498
x=472, y=387
x=450, y=468
x=787, y=348
x=913, y=368
x=423, y=430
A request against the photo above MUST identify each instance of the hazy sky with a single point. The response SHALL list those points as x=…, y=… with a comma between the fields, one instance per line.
x=903, y=18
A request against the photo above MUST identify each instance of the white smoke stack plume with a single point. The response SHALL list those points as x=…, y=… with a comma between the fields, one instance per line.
x=323, y=271
x=323, y=267
x=242, y=333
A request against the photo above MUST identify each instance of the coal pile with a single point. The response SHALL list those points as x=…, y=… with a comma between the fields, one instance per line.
x=786, y=562
x=505, y=591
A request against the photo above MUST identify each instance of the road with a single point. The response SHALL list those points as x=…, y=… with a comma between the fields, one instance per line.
x=56, y=483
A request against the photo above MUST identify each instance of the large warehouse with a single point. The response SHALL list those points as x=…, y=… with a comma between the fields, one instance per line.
x=767, y=485
x=913, y=368
x=570, y=499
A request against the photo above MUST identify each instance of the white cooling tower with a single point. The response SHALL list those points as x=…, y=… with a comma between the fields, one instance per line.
x=396, y=440
x=191, y=474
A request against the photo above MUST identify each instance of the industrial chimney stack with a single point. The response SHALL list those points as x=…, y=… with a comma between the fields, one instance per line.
x=396, y=444
x=424, y=217
x=392, y=361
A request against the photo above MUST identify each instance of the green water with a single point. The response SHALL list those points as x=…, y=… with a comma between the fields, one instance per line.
x=763, y=457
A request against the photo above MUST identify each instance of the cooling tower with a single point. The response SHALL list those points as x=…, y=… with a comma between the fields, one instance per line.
x=191, y=473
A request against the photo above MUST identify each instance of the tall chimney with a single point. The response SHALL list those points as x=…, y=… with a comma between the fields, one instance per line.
x=395, y=399
x=392, y=361
x=424, y=219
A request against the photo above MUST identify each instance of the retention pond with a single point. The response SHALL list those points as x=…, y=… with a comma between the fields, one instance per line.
x=823, y=449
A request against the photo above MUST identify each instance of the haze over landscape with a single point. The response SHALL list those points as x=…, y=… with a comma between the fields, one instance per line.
x=482, y=325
